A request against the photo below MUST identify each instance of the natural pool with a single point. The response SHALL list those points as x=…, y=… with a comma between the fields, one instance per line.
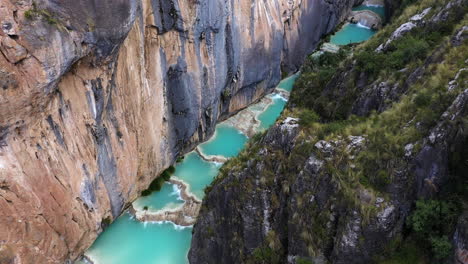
x=227, y=141
x=288, y=83
x=167, y=198
x=197, y=173
x=352, y=33
x=269, y=116
x=127, y=240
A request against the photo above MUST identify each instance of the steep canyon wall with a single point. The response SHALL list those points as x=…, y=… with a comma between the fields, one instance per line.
x=97, y=97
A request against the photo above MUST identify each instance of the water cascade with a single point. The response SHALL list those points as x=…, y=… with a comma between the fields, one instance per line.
x=136, y=237
x=355, y=33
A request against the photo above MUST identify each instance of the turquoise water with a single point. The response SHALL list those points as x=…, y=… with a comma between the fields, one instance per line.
x=288, y=83
x=379, y=10
x=129, y=241
x=167, y=198
x=197, y=173
x=269, y=116
x=227, y=142
x=351, y=33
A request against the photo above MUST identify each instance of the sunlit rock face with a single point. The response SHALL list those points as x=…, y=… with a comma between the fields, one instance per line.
x=98, y=97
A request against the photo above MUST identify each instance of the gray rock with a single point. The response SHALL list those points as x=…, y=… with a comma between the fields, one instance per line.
x=366, y=18
x=409, y=150
x=419, y=17
x=398, y=33
x=460, y=240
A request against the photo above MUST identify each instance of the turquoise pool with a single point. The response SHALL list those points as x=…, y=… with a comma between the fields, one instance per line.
x=227, y=141
x=288, y=83
x=352, y=33
x=167, y=198
x=269, y=116
x=197, y=173
x=129, y=241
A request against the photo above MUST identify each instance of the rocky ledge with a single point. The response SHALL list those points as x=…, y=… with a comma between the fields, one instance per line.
x=366, y=18
x=97, y=98
x=185, y=215
x=368, y=166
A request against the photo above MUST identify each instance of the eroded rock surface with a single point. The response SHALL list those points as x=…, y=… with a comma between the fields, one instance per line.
x=366, y=18
x=98, y=97
x=301, y=195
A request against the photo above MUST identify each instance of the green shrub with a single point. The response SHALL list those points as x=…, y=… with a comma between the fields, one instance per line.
x=308, y=117
x=409, y=252
x=422, y=100
x=316, y=73
x=265, y=255
x=105, y=222
x=432, y=221
x=370, y=62
x=29, y=14
x=257, y=137
x=157, y=183
x=405, y=50
x=145, y=193
x=226, y=94
x=431, y=217
x=303, y=261
x=35, y=12
x=441, y=247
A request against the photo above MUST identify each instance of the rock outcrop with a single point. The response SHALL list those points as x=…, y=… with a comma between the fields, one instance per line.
x=340, y=185
x=98, y=97
x=366, y=18
x=460, y=240
x=286, y=208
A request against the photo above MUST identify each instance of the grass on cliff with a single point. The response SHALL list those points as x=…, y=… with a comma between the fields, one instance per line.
x=316, y=87
x=325, y=110
x=387, y=134
x=36, y=12
x=324, y=113
x=408, y=252
x=406, y=121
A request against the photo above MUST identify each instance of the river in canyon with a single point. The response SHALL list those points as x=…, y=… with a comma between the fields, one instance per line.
x=130, y=240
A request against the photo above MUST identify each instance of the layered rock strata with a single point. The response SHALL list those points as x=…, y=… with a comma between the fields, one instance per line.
x=303, y=192
x=98, y=97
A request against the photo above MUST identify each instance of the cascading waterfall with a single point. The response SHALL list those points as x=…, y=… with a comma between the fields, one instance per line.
x=129, y=240
x=356, y=33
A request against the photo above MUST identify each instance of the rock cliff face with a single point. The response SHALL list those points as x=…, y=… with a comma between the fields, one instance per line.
x=98, y=97
x=337, y=179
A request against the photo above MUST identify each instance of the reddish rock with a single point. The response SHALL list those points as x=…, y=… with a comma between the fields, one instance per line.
x=13, y=51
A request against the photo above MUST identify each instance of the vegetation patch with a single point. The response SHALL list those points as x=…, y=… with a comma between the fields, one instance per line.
x=157, y=183
x=323, y=97
x=37, y=13
x=105, y=222
x=432, y=222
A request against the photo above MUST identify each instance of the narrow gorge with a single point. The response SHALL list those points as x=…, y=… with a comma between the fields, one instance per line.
x=99, y=97
x=208, y=131
x=368, y=162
